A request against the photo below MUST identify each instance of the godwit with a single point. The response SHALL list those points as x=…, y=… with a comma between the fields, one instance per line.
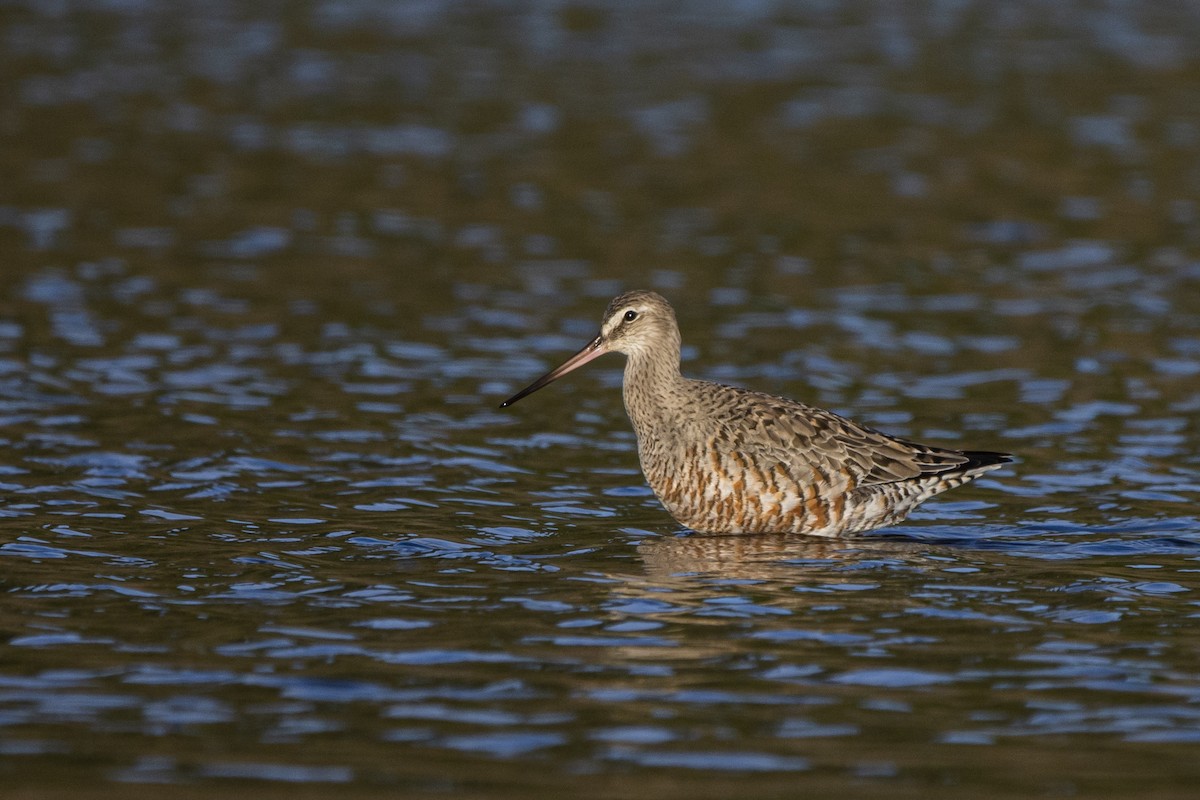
x=728, y=460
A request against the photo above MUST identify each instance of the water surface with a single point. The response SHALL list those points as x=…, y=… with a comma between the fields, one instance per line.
x=267, y=273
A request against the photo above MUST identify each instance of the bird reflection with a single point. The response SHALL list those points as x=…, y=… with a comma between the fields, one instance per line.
x=766, y=557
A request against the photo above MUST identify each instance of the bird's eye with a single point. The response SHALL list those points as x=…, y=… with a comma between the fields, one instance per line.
x=630, y=315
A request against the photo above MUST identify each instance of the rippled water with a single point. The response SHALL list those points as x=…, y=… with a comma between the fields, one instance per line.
x=268, y=272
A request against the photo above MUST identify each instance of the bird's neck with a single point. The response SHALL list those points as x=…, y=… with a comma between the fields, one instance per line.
x=652, y=384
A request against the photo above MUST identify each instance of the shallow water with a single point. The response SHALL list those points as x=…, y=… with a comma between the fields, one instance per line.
x=268, y=272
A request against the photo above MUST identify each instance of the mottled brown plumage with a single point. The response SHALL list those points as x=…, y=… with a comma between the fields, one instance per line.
x=728, y=460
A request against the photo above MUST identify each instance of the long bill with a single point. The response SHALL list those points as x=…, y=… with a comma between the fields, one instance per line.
x=592, y=350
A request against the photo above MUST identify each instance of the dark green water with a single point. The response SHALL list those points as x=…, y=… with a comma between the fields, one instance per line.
x=266, y=271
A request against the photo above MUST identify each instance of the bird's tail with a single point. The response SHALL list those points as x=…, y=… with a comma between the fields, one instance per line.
x=983, y=461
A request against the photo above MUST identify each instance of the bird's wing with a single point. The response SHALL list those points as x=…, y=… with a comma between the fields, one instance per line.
x=803, y=438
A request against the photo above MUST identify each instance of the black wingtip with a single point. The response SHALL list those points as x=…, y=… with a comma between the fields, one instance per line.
x=986, y=458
